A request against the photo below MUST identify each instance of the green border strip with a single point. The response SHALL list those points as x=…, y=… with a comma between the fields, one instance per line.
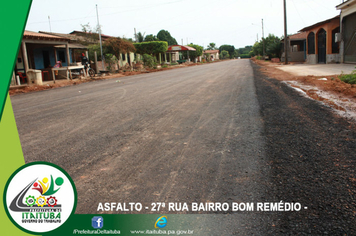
x=11, y=158
x=13, y=15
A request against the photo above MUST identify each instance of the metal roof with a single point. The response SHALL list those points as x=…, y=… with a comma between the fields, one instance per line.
x=211, y=51
x=180, y=48
x=34, y=35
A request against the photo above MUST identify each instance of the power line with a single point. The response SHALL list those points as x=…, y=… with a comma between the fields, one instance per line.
x=298, y=12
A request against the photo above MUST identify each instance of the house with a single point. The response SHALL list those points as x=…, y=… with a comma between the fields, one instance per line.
x=321, y=44
x=348, y=32
x=174, y=53
x=39, y=52
x=76, y=45
x=297, y=47
x=214, y=54
x=125, y=59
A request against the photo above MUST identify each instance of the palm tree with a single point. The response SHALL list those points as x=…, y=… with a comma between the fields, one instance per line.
x=140, y=37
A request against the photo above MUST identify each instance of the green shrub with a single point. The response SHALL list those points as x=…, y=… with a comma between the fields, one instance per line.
x=350, y=78
x=149, y=61
x=164, y=66
x=151, y=47
x=174, y=63
x=245, y=56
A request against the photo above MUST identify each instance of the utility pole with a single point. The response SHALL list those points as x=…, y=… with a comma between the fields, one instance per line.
x=135, y=35
x=49, y=21
x=286, y=43
x=101, y=45
x=263, y=40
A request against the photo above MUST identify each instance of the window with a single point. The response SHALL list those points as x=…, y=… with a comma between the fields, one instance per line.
x=61, y=56
x=335, y=46
x=311, y=43
x=123, y=57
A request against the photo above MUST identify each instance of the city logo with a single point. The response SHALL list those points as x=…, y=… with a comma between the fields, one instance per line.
x=161, y=222
x=97, y=222
x=39, y=197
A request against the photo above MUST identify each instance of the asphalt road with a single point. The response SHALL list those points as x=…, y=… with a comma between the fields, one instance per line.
x=213, y=133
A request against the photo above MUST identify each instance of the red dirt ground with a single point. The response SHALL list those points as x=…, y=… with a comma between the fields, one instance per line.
x=332, y=85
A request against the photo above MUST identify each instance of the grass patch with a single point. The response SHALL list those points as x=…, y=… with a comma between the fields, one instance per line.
x=350, y=78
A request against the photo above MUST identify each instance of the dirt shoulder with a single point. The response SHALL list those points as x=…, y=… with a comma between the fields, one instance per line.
x=312, y=159
x=327, y=89
x=64, y=83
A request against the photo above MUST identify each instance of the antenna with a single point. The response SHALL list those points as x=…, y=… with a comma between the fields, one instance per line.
x=49, y=21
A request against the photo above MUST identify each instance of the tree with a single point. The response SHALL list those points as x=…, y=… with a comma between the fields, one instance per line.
x=164, y=35
x=150, y=38
x=116, y=46
x=212, y=46
x=194, y=54
x=224, y=54
x=90, y=35
x=229, y=48
x=140, y=37
x=272, y=44
x=243, y=52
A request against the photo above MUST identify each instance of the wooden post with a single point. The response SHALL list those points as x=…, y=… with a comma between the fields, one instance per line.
x=25, y=60
x=170, y=57
x=160, y=59
x=96, y=62
x=55, y=55
x=67, y=52
x=13, y=79
x=54, y=76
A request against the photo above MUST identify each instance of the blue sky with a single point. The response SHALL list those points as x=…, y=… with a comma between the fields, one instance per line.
x=234, y=22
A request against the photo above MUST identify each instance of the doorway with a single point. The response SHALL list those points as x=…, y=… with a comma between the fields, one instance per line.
x=46, y=60
x=322, y=46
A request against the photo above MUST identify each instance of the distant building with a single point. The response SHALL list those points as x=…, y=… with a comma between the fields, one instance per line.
x=297, y=47
x=348, y=32
x=214, y=54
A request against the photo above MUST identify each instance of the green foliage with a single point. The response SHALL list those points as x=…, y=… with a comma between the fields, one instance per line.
x=243, y=52
x=150, y=38
x=164, y=66
x=111, y=60
x=164, y=35
x=140, y=37
x=207, y=57
x=149, y=61
x=116, y=46
x=95, y=48
x=153, y=47
x=211, y=46
x=174, y=63
x=245, y=56
x=350, y=79
x=224, y=54
x=229, y=48
x=272, y=47
x=194, y=54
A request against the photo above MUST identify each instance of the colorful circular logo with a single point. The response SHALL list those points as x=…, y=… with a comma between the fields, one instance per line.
x=39, y=197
